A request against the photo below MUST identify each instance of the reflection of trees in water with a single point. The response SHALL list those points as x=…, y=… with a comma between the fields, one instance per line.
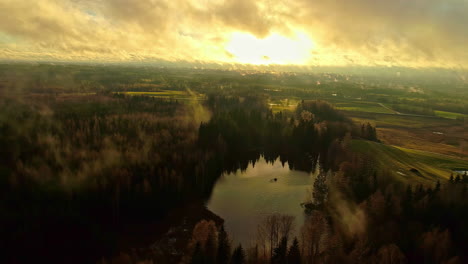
x=240, y=132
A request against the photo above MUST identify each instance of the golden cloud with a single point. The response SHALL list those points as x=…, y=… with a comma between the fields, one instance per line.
x=364, y=32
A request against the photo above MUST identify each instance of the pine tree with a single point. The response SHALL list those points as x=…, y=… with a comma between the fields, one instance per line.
x=238, y=256
x=294, y=253
x=409, y=193
x=437, y=188
x=210, y=249
x=408, y=201
x=371, y=133
x=222, y=256
x=198, y=256
x=320, y=191
x=280, y=253
x=419, y=192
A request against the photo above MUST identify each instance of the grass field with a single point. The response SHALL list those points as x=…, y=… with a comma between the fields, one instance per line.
x=158, y=93
x=283, y=105
x=179, y=95
x=281, y=108
x=449, y=115
x=438, y=160
x=368, y=107
x=354, y=106
x=411, y=166
x=432, y=134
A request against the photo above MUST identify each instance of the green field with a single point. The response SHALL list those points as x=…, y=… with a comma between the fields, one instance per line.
x=283, y=105
x=175, y=94
x=411, y=166
x=352, y=106
x=158, y=93
x=449, y=115
x=368, y=107
x=438, y=160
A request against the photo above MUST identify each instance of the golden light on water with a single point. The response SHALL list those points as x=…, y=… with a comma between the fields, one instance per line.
x=273, y=49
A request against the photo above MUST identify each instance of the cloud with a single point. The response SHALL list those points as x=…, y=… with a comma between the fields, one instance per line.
x=366, y=32
x=399, y=31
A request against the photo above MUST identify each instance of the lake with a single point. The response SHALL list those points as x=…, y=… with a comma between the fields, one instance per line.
x=243, y=199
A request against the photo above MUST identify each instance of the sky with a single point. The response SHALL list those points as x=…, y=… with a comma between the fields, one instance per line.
x=409, y=33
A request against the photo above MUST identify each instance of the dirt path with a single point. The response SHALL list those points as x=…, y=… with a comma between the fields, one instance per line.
x=388, y=108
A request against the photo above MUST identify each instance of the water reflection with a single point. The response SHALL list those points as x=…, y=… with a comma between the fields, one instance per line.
x=243, y=199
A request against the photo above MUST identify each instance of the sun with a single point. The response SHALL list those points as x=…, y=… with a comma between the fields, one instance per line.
x=273, y=49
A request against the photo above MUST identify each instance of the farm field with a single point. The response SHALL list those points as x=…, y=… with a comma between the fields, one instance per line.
x=444, y=133
x=168, y=94
x=450, y=115
x=411, y=166
x=432, y=134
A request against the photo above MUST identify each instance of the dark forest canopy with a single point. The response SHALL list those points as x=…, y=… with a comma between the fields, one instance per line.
x=243, y=125
x=116, y=158
x=77, y=169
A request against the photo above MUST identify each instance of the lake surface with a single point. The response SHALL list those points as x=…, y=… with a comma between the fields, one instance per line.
x=243, y=199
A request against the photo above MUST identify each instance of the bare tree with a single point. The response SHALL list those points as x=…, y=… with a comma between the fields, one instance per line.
x=286, y=225
x=272, y=229
x=262, y=239
x=313, y=234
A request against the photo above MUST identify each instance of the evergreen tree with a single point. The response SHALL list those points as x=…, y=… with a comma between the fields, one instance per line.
x=375, y=182
x=280, y=253
x=210, y=249
x=437, y=188
x=320, y=191
x=419, y=192
x=371, y=134
x=408, y=201
x=294, y=253
x=198, y=256
x=222, y=256
x=409, y=194
x=238, y=255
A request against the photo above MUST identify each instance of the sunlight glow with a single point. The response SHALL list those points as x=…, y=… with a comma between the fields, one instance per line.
x=273, y=49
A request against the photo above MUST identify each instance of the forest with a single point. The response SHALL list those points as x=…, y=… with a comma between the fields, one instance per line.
x=83, y=165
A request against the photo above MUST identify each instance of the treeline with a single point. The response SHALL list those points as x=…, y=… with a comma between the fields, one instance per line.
x=212, y=245
x=244, y=128
x=423, y=104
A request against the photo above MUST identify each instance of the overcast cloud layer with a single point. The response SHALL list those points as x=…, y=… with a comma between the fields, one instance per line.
x=362, y=32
